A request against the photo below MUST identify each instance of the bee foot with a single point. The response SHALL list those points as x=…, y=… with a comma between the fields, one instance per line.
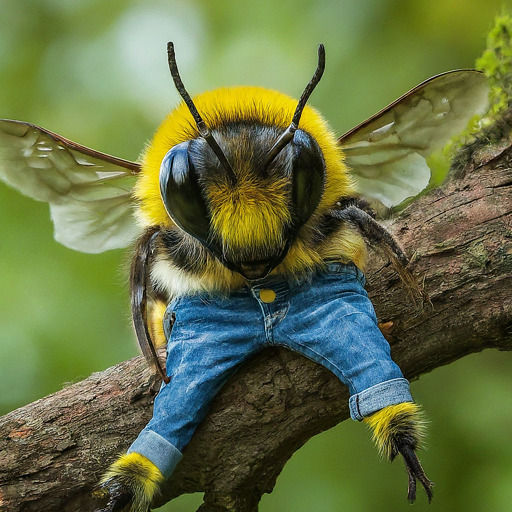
x=119, y=496
x=415, y=472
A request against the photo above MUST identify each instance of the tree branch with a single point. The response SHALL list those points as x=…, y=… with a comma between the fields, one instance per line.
x=459, y=236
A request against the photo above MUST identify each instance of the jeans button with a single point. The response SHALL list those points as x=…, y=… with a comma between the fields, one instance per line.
x=267, y=296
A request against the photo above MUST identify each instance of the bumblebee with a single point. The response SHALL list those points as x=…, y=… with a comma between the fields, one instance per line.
x=251, y=218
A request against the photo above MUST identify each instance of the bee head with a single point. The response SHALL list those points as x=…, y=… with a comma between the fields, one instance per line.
x=250, y=218
x=245, y=189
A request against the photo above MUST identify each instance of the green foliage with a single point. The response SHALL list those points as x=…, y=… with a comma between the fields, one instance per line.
x=496, y=63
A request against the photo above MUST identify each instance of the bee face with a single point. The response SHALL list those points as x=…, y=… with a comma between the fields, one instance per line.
x=247, y=219
x=220, y=224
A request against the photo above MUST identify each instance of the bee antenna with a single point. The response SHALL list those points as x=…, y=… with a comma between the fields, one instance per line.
x=287, y=135
x=204, y=131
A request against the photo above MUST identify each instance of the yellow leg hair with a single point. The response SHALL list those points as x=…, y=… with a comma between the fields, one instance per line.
x=399, y=429
x=404, y=419
x=132, y=475
x=156, y=312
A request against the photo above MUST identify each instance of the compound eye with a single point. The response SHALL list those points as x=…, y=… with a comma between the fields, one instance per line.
x=182, y=195
x=308, y=177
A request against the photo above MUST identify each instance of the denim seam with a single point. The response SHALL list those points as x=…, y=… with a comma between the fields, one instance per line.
x=267, y=322
x=145, y=443
x=280, y=315
x=355, y=400
x=352, y=313
x=269, y=330
x=365, y=391
x=323, y=358
x=336, y=268
x=173, y=304
x=271, y=320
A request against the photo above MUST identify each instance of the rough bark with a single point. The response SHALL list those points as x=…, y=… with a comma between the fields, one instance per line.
x=459, y=238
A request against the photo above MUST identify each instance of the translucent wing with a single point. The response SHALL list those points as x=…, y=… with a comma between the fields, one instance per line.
x=89, y=192
x=386, y=153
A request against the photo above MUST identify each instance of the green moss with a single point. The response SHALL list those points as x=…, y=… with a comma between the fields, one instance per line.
x=496, y=63
x=478, y=255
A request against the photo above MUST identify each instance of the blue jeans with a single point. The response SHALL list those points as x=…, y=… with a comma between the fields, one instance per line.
x=326, y=316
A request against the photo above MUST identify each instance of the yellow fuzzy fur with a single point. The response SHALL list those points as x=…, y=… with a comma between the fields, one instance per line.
x=261, y=205
x=394, y=419
x=237, y=104
x=138, y=474
x=156, y=312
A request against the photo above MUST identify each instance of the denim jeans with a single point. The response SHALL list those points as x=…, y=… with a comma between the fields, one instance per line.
x=325, y=316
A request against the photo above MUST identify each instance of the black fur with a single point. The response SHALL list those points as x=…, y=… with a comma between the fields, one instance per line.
x=186, y=254
x=331, y=222
x=350, y=210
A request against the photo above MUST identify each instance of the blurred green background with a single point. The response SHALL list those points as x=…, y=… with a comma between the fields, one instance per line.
x=96, y=72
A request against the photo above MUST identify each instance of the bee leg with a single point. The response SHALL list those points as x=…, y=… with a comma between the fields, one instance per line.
x=130, y=484
x=414, y=470
x=359, y=214
x=118, y=496
x=398, y=429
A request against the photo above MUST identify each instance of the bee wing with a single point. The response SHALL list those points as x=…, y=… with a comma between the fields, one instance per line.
x=89, y=192
x=386, y=153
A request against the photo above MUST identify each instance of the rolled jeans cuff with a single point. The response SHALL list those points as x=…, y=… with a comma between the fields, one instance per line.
x=164, y=455
x=390, y=392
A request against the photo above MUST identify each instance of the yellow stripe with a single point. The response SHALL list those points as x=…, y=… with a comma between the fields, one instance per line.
x=139, y=474
x=392, y=420
x=156, y=311
x=235, y=104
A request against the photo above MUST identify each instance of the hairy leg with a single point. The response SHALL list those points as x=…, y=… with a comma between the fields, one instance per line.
x=399, y=429
x=130, y=483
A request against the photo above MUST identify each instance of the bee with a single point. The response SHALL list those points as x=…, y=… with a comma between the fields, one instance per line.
x=251, y=222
